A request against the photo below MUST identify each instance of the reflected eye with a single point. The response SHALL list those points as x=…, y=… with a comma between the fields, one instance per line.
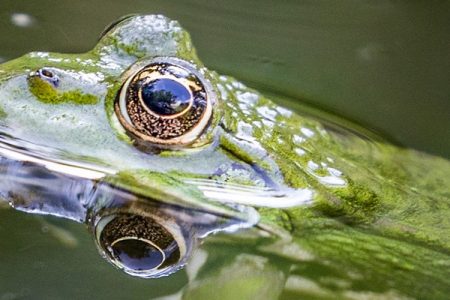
x=137, y=253
x=140, y=245
x=167, y=102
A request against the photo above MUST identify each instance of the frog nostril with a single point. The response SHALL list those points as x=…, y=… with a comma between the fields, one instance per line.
x=47, y=75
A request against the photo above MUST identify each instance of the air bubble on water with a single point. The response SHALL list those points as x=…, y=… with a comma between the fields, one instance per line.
x=22, y=20
x=370, y=52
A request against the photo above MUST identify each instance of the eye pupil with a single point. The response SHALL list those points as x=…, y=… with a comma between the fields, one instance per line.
x=166, y=96
x=137, y=254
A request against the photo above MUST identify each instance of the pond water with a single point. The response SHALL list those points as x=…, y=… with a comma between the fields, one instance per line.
x=373, y=62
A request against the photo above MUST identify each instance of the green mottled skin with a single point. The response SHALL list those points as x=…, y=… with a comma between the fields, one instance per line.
x=45, y=92
x=384, y=231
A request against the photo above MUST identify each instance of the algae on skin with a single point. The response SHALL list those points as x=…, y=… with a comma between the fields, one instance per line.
x=45, y=92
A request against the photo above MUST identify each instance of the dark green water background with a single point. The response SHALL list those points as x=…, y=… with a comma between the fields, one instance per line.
x=384, y=64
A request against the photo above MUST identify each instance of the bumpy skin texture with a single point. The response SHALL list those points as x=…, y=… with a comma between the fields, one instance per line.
x=374, y=212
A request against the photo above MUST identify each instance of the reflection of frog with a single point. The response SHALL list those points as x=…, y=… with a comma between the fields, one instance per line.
x=140, y=112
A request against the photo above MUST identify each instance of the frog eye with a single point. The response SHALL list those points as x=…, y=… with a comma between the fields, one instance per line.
x=166, y=102
x=140, y=245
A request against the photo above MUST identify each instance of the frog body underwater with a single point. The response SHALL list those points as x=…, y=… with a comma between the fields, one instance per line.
x=190, y=152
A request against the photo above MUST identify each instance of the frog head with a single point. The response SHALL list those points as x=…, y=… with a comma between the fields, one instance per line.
x=141, y=101
x=141, y=113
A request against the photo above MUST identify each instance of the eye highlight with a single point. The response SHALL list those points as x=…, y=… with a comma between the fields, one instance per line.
x=166, y=102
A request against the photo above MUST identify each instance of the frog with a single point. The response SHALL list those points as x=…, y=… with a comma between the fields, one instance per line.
x=165, y=159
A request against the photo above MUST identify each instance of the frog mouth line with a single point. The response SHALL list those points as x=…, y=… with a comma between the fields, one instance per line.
x=35, y=185
x=230, y=193
x=252, y=195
